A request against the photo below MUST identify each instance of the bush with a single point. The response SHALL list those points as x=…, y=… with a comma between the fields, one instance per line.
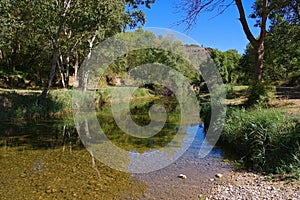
x=205, y=115
x=259, y=94
x=265, y=140
x=229, y=91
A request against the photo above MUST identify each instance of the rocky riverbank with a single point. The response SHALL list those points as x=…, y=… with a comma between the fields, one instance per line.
x=249, y=185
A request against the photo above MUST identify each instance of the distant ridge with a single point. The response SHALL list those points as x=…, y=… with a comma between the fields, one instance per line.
x=197, y=50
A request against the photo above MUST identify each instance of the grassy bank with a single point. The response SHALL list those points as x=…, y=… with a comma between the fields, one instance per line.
x=264, y=137
x=24, y=104
x=266, y=140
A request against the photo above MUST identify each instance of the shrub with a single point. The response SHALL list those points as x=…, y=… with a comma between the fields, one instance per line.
x=259, y=94
x=229, y=91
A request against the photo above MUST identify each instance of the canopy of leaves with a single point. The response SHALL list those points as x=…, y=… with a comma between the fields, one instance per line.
x=30, y=30
x=227, y=63
x=177, y=58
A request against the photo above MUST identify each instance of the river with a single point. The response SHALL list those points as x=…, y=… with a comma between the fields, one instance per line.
x=47, y=160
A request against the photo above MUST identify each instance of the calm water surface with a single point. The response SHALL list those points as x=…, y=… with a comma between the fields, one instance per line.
x=46, y=160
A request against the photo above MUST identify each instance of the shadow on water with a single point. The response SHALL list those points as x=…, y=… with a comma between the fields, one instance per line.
x=39, y=135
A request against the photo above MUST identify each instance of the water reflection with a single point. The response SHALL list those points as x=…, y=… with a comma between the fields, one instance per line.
x=165, y=184
x=47, y=160
x=201, y=144
x=39, y=135
x=118, y=146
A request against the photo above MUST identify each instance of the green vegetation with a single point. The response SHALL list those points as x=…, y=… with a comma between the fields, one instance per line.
x=260, y=94
x=42, y=43
x=228, y=64
x=265, y=139
x=24, y=105
x=52, y=38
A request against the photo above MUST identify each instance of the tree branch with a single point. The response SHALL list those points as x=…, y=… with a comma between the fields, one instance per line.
x=223, y=8
x=264, y=17
x=244, y=23
x=193, y=8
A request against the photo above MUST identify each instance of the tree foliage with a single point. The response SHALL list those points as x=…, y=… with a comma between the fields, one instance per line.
x=176, y=59
x=34, y=34
x=282, y=46
x=228, y=64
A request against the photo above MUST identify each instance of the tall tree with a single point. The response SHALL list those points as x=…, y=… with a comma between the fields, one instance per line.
x=282, y=51
x=262, y=9
x=56, y=35
x=282, y=45
x=93, y=21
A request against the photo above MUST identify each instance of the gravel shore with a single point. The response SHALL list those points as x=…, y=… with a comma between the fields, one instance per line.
x=249, y=185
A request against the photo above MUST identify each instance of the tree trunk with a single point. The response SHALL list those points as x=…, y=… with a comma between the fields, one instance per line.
x=85, y=74
x=1, y=56
x=60, y=65
x=67, y=69
x=258, y=44
x=55, y=42
x=259, y=61
x=76, y=65
x=52, y=72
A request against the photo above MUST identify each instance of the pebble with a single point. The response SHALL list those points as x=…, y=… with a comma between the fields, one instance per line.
x=219, y=175
x=247, y=185
x=182, y=176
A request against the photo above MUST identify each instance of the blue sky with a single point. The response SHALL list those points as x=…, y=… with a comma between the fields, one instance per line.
x=223, y=32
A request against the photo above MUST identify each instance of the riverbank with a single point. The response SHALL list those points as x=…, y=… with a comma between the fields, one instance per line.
x=242, y=184
x=19, y=104
x=25, y=105
x=200, y=183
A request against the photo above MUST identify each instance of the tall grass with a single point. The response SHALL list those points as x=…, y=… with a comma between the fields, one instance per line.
x=15, y=105
x=266, y=140
x=26, y=104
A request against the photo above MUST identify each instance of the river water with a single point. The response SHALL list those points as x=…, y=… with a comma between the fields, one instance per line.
x=47, y=160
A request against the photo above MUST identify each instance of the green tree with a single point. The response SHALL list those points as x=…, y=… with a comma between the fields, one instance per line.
x=175, y=58
x=246, y=64
x=91, y=22
x=36, y=34
x=220, y=61
x=282, y=43
x=227, y=63
x=282, y=53
x=23, y=50
x=261, y=10
x=233, y=61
